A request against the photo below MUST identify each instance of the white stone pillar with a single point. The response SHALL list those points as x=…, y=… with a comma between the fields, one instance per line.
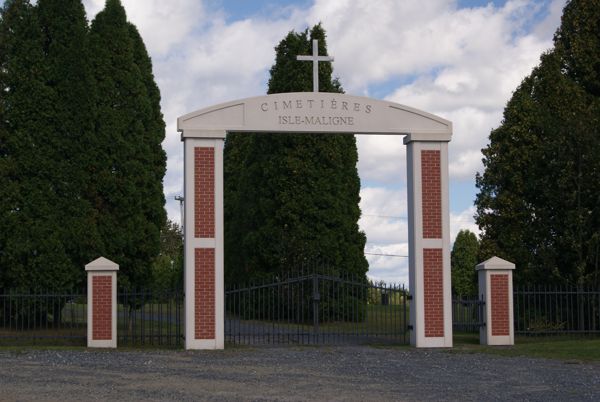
x=102, y=303
x=429, y=241
x=496, y=289
x=204, y=257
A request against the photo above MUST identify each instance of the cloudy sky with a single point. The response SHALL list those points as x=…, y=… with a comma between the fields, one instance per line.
x=459, y=59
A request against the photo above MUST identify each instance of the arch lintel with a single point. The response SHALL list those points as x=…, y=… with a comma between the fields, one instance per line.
x=307, y=112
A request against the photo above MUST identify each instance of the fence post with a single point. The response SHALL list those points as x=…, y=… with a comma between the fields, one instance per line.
x=496, y=289
x=316, y=296
x=102, y=303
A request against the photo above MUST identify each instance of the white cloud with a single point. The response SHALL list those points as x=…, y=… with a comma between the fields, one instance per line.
x=381, y=158
x=463, y=221
x=462, y=64
x=384, y=214
x=385, y=224
x=389, y=264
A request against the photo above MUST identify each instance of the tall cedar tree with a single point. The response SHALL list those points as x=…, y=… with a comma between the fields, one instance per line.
x=72, y=121
x=129, y=162
x=292, y=199
x=463, y=260
x=539, y=196
x=34, y=253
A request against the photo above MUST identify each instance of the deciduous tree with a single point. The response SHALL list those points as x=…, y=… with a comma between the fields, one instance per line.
x=539, y=199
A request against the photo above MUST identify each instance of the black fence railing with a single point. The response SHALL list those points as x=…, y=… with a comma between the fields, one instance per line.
x=538, y=310
x=60, y=318
x=302, y=309
x=43, y=317
x=468, y=314
x=153, y=318
x=553, y=310
x=316, y=308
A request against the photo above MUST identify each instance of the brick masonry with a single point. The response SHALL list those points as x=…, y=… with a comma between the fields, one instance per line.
x=500, y=304
x=204, y=194
x=102, y=305
x=433, y=292
x=431, y=194
x=204, y=293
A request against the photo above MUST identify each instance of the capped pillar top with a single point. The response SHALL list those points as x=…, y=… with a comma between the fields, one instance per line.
x=102, y=264
x=495, y=263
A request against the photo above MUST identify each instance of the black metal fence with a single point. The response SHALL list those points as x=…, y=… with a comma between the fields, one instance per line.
x=153, y=318
x=301, y=309
x=538, y=310
x=315, y=308
x=553, y=310
x=43, y=317
x=60, y=318
x=468, y=314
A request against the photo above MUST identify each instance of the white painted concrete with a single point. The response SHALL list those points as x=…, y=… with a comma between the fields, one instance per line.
x=323, y=113
x=214, y=139
x=308, y=112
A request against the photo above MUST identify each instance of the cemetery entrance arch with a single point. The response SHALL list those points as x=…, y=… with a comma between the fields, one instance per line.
x=426, y=137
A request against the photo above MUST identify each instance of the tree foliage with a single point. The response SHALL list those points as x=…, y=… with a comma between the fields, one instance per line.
x=292, y=199
x=463, y=260
x=129, y=163
x=539, y=196
x=167, y=269
x=81, y=165
x=33, y=251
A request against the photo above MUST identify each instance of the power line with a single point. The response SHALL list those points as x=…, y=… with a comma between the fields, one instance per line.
x=388, y=255
x=386, y=216
x=465, y=219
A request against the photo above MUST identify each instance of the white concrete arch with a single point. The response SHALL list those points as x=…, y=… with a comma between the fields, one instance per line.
x=305, y=112
x=426, y=137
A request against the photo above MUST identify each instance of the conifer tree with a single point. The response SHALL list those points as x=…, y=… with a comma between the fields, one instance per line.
x=128, y=163
x=72, y=120
x=33, y=251
x=463, y=260
x=153, y=155
x=292, y=199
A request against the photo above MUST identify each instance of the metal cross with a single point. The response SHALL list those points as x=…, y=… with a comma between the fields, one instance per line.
x=315, y=58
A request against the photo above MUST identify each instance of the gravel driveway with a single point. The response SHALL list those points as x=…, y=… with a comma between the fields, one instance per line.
x=291, y=373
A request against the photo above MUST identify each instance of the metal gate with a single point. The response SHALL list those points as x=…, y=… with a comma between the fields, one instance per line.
x=468, y=314
x=316, y=309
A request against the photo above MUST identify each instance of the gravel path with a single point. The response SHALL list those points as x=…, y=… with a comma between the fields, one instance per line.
x=291, y=373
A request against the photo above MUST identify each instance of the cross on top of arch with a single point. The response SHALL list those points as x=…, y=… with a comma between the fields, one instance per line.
x=315, y=58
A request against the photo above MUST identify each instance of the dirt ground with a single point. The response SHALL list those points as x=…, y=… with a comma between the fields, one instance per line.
x=358, y=373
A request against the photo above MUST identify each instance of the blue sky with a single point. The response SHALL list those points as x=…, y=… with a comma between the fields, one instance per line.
x=459, y=59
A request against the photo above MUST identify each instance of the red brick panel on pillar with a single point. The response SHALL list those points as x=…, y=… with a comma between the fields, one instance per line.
x=102, y=303
x=499, y=304
x=429, y=241
x=495, y=288
x=204, y=287
x=205, y=294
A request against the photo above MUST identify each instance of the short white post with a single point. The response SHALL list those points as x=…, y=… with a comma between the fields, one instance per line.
x=496, y=289
x=102, y=303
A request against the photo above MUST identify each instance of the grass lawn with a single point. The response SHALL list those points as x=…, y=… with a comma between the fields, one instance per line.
x=567, y=348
